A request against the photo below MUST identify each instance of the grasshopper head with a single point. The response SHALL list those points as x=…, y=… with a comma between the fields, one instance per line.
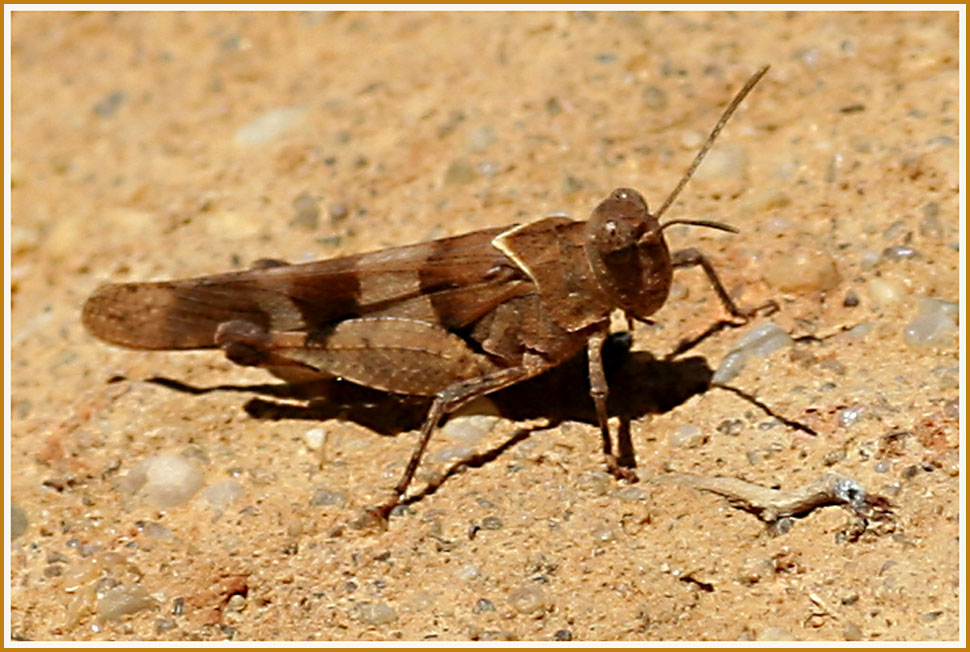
x=628, y=254
x=626, y=249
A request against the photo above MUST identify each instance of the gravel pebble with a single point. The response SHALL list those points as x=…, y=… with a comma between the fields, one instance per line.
x=900, y=252
x=469, y=429
x=306, y=210
x=269, y=126
x=314, y=438
x=935, y=324
x=325, y=497
x=374, y=613
x=687, y=436
x=631, y=494
x=467, y=573
x=885, y=293
x=18, y=521
x=123, y=600
x=759, y=342
x=221, y=495
x=460, y=172
x=480, y=139
x=163, y=481
x=848, y=417
x=528, y=599
x=776, y=633
x=809, y=269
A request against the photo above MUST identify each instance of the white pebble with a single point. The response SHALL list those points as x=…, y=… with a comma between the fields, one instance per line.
x=480, y=139
x=528, y=599
x=730, y=367
x=885, y=293
x=164, y=481
x=935, y=324
x=468, y=572
x=471, y=424
x=450, y=454
x=763, y=340
x=759, y=342
x=314, y=438
x=375, y=613
x=808, y=268
x=221, y=495
x=269, y=126
x=850, y=416
x=123, y=600
x=687, y=436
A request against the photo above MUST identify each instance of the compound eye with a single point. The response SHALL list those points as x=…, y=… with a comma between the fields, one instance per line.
x=617, y=234
x=629, y=195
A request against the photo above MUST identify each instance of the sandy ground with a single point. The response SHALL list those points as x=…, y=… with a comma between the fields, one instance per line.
x=150, y=146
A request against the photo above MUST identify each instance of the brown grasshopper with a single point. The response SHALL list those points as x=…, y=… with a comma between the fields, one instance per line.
x=453, y=319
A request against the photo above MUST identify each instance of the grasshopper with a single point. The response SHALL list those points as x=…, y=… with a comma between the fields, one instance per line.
x=453, y=319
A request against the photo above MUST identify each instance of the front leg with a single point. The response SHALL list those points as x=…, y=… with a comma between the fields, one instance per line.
x=599, y=389
x=692, y=258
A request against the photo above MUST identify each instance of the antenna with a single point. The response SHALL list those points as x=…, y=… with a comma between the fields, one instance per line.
x=728, y=112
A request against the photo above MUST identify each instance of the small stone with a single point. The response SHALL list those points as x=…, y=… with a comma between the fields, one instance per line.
x=851, y=632
x=164, y=481
x=374, y=613
x=900, y=252
x=480, y=139
x=930, y=225
x=732, y=427
x=654, y=98
x=895, y=230
x=18, y=521
x=631, y=494
x=496, y=635
x=491, y=523
x=951, y=409
x=595, y=481
x=885, y=293
x=468, y=572
x=687, y=436
x=483, y=605
x=236, y=603
x=848, y=417
x=808, y=268
x=109, y=105
x=307, y=211
x=776, y=633
x=528, y=599
x=730, y=367
x=269, y=126
x=759, y=342
x=562, y=635
x=163, y=625
x=221, y=495
x=851, y=299
x=314, y=438
x=470, y=429
x=123, y=600
x=155, y=530
x=604, y=535
x=460, y=172
x=935, y=324
x=338, y=213
x=325, y=497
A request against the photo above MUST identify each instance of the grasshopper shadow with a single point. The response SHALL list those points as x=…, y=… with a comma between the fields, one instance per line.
x=640, y=384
